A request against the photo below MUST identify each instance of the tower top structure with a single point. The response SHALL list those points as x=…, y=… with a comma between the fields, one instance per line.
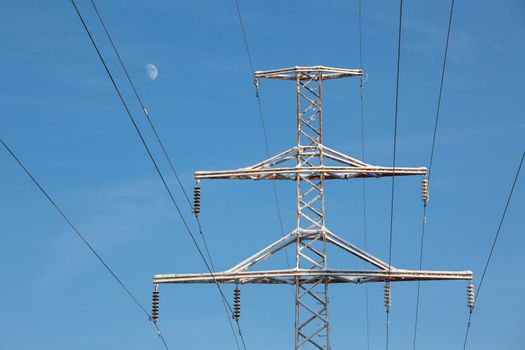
x=306, y=73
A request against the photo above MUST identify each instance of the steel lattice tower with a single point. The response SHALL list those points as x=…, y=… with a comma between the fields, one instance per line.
x=309, y=163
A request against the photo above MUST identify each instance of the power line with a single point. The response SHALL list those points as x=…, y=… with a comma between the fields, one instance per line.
x=263, y=124
x=165, y=153
x=261, y=118
x=246, y=46
x=492, y=247
x=363, y=159
x=394, y=163
x=82, y=238
x=190, y=233
x=430, y=167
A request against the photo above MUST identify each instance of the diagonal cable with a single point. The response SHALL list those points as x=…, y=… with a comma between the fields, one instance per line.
x=82, y=238
x=492, y=247
x=172, y=198
x=363, y=160
x=394, y=163
x=263, y=124
x=430, y=168
x=164, y=151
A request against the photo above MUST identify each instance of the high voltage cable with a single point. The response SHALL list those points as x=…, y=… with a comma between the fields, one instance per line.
x=430, y=167
x=394, y=162
x=499, y=226
x=363, y=159
x=82, y=238
x=159, y=141
x=261, y=117
x=492, y=248
x=245, y=38
x=190, y=233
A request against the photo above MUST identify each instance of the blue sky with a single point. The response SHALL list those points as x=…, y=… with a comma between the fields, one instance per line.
x=63, y=119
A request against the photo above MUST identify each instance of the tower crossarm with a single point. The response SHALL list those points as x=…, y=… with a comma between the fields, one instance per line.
x=305, y=73
x=292, y=173
x=309, y=276
x=284, y=166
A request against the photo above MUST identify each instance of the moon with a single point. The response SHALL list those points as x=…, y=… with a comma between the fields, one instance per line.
x=152, y=71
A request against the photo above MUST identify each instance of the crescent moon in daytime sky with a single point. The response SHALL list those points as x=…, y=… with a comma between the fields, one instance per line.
x=152, y=71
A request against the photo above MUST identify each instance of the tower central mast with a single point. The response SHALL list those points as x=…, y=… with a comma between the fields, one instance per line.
x=311, y=300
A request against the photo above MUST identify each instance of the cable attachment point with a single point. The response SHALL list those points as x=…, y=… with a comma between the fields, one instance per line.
x=470, y=296
x=388, y=297
x=424, y=191
x=155, y=304
x=236, y=303
x=197, y=199
x=256, y=83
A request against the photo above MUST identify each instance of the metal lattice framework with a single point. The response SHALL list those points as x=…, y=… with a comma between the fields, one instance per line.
x=310, y=163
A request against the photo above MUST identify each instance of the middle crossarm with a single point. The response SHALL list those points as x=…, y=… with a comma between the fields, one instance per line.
x=291, y=173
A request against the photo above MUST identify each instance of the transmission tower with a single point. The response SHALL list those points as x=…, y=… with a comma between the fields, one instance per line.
x=310, y=163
